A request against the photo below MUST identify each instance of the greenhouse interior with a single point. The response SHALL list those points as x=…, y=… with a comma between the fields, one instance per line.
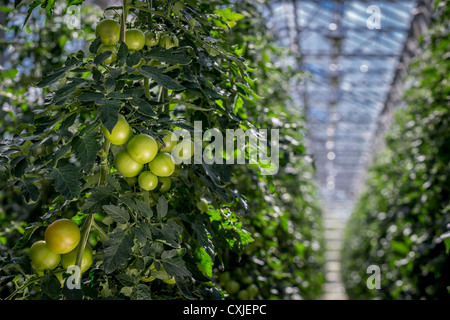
x=135, y=138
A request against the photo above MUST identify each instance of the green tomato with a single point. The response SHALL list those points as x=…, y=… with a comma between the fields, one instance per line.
x=166, y=183
x=134, y=39
x=253, y=290
x=163, y=165
x=69, y=259
x=168, y=41
x=184, y=150
x=151, y=38
x=247, y=280
x=170, y=140
x=202, y=205
x=224, y=277
x=113, y=55
x=243, y=295
x=109, y=32
x=121, y=132
x=42, y=258
x=126, y=165
x=232, y=287
x=147, y=181
x=142, y=148
x=62, y=236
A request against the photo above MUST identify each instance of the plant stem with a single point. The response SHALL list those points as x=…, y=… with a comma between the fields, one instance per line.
x=27, y=282
x=86, y=228
x=147, y=88
x=103, y=236
x=123, y=19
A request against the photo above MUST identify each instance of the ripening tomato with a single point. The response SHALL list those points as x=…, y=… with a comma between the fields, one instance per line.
x=163, y=165
x=170, y=140
x=42, y=258
x=62, y=236
x=134, y=39
x=69, y=259
x=109, y=31
x=166, y=183
x=147, y=180
x=142, y=148
x=121, y=132
x=113, y=55
x=126, y=165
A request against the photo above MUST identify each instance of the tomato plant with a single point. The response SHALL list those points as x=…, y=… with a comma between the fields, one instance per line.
x=79, y=145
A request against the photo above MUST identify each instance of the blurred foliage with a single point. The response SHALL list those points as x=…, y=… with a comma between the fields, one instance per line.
x=402, y=221
x=286, y=260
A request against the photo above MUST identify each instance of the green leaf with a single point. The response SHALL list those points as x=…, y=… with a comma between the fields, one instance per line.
x=162, y=79
x=93, y=48
x=141, y=292
x=118, y=214
x=144, y=209
x=90, y=96
x=67, y=180
x=161, y=207
x=29, y=191
x=167, y=56
x=99, y=197
x=27, y=234
x=86, y=148
x=116, y=250
x=50, y=286
x=145, y=107
x=109, y=115
x=176, y=267
x=54, y=76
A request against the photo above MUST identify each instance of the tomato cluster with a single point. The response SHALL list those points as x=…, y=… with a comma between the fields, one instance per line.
x=109, y=32
x=145, y=157
x=245, y=289
x=60, y=245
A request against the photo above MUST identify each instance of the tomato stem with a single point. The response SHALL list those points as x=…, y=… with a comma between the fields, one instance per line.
x=147, y=88
x=123, y=20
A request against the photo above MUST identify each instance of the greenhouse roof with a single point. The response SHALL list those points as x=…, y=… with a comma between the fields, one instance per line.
x=352, y=61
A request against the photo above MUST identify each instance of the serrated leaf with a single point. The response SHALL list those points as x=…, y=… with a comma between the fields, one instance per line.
x=50, y=286
x=176, y=267
x=86, y=148
x=141, y=292
x=161, y=207
x=168, y=56
x=52, y=77
x=93, y=48
x=144, y=209
x=162, y=79
x=99, y=197
x=90, y=96
x=109, y=115
x=102, y=57
x=27, y=234
x=29, y=191
x=145, y=107
x=66, y=181
x=118, y=214
x=133, y=59
x=117, y=250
